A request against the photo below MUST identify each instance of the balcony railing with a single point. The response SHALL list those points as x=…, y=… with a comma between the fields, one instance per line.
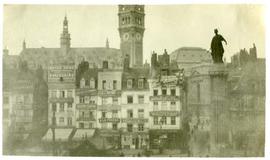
x=106, y=120
x=165, y=113
x=62, y=99
x=86, y=106
x=134, y=120
x=164, y=98
x=109, y=107
x=80, y=118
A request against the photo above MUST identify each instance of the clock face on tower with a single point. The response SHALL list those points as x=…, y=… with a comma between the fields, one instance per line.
x=125, y=36
x=138, y=36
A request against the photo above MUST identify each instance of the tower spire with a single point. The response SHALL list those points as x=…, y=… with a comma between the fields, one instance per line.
x=24, y=45
x=107, y=43
x=65, y=36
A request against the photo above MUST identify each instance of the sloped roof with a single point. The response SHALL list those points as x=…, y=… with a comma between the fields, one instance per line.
x=190, y=54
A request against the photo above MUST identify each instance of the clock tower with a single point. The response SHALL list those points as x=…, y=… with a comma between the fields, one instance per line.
x=131, y=29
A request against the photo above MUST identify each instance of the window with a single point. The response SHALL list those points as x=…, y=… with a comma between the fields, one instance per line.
x=61, y=79
x=92, y=83
x=164, y=92
x=173, y=103
x=130, y=113
x=133, y=141
x=104, y=84
x=81, y=99
x=87, y=82
x=114, y=113
x=155, y=103
x=81, y=125
x=82, y=83
x=115, y=100
x=61, y=120
x=114, y=126
x=69, y=121
x=163, y=120
x=62, y=94
x=103, y=115
x=141, y=113
x=198, y=92
x=173, y=92
x=141, y=83
x=141, y=99
x=69, y=105
x=114, y=84
x=155, y=120
x=104, y=125
x=53, y=94
x=140, y=127
x=82, y=114
x=91, y=114
x=129, y=127
x=129, y=99
x=91, y=125
x=54, y=107
x=19, y=99
x=155, y=92
x=26, y=99
x=62, y=107
x=104, y=100
x=129, y=83
x=164, y=105
x=92, y=100
x=69, y=94
x=6, y=99
x=173, y=121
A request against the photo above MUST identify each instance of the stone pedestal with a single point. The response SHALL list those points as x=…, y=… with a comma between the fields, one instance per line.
x=218, y=83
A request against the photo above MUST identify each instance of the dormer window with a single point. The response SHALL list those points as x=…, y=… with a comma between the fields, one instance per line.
x=92, y=83
x=82, y=83
x=141, y=83
x=129, y=83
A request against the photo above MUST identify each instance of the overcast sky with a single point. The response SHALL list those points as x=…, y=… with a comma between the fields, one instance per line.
x=167, y=26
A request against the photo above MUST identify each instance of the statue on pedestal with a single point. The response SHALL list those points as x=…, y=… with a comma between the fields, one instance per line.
x=217, y=49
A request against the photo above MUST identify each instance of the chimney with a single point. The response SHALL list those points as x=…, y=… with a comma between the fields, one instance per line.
x=105, y=65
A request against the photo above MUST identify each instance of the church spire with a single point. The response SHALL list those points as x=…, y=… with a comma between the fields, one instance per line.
x=107, y=43
x=24, y=45
x=65, y=36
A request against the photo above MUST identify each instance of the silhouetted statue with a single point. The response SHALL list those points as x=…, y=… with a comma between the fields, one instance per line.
x=217, y=49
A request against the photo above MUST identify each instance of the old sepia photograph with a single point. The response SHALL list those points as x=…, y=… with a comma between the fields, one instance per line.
x=133, y=80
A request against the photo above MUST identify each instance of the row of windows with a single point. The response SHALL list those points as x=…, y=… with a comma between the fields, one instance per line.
x=164, y=92
x=61, y=106
x=61, y=120
x=129, y=113
x=130, y=127
x=86, y=114
x=61, y=94
x=82, y=125
x=140, y=99
x=24, y=99
x=106, y=85
x=164, y=108
x=86, y=83
x=163, y=120
x=130, y=83
x=87, y=99
x=127, y=20
x=164, y=103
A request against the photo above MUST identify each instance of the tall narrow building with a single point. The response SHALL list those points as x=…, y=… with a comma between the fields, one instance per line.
x=131, y=30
